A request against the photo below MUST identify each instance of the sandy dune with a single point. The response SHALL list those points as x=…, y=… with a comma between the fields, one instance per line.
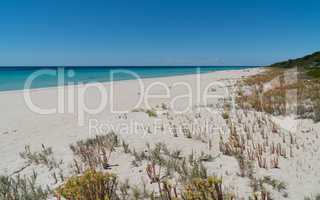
x=19, y=126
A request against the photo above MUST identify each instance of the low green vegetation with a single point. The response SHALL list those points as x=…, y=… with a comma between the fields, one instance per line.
x=24, y=188
x=314, y=72
x=151, y=113
x=309, y=65
x=308, y=61
x=164, y=167
x=92, y=185
x=43, y=157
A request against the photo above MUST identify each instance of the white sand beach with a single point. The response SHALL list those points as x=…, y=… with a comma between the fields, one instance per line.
x=19, y=126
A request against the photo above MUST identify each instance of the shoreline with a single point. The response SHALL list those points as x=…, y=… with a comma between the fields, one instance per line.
x=106, y=82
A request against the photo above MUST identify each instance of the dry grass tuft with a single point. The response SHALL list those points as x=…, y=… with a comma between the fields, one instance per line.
x=95, y=152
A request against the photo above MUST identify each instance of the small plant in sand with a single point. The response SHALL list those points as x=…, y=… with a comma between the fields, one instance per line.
x=174, y=130
x=138, y=157
x=187, y=132
x=124, y=190
x=96, y=152
x=92, y=185
x=205, y=157
x=173, y=162
x=226, y=110
x=164, y=106
x=44, y=157
x=245, y=166
x=260, y=192
x=169, y=190
x=225, y=115
x=276, y=184
x=126, y=148
x=151, y=113
x=24, y=188
x=155, y=175
x=196, y=186
x=261, y=195
x=235, y=144
x=316, y=197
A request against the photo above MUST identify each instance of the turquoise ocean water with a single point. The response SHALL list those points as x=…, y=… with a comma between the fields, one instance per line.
x=14, y=78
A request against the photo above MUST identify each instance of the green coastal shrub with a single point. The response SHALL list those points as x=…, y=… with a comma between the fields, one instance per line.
x=210, y=189
x=92, y=185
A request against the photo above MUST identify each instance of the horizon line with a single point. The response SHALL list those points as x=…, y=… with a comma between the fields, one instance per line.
x=55, y=66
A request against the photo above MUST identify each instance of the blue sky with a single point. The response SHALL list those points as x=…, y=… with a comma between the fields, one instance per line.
x=157, y=32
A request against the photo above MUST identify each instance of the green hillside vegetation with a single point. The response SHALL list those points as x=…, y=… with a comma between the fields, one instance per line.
x=309, y=64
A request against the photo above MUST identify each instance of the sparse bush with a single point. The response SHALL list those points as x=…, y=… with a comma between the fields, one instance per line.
x=96, y=152
x=23, y=188
x=260, y=192
x=276, y=184
x=44, y=157
x=210, y=189
x=92, y=185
